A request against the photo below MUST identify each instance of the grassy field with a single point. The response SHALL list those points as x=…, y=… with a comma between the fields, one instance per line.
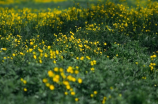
x=78, y=52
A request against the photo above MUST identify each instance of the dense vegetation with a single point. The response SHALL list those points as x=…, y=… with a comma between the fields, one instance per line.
x=90, y=53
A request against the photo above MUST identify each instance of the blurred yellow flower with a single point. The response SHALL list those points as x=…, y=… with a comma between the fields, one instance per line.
x=105, y=43
x=79, y=80
x=56, y=69
x=25, y=89
x=66, y=93
x=92, y=95
x=95, y=92
x=51, y=87
x=45, y=80
x=76, y=99
x=72, y=93
x=50, y=73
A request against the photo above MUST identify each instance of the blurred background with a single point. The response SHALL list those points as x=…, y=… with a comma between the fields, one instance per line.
x=64, y=4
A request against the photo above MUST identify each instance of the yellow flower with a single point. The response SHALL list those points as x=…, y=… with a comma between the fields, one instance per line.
x=92, y=63
x=49, y=47
x=47, y=84
x=72, y=93
x=66, y=83
x=56, y=69
x=51, y=87
x=68, y=87
x=50, y=73
x=92, y=69
x=40, y=61
x=31, y=43
x=70, y=69
x=25, y=89
x=77, y=67
x=13, y=54
x=45, y=80
x=136, y=62
x=71, y=89
x=56, y=78
x=88, y=57
x=95, y=92
x=77, y=58
x=34, y=56
x=73, y=79
x=24, y=81
x=154, y=64
x=45, y=55
x=82, y=58
x=54, y=62
x=154, y=56
x=105, y=44
x=61, y=69
x=92, y=95
x=4, y=49
x=76, y=71
x=57, y=52
x=66, y=93
x=79, y=80
x=76, y=99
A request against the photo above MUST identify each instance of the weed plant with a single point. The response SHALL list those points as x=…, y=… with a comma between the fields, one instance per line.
x=104, y=53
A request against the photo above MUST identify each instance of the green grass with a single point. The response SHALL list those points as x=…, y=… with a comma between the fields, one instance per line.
x=110, y=47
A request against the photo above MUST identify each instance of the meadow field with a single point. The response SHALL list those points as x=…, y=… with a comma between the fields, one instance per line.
x=78, y=52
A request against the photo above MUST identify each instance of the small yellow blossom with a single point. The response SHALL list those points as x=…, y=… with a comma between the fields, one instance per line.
x=66, y=93
x=49, y=47
x=72, y=93
x=77, y=67
x=105, y=43
x=24, y=81
x=50, y=73
x=76, y=99
x=45, y=80
x=56, y=69
x=40, y=61
x=54, y=62
x=92, y=95
x=68, y=87
x=25, y=89
x=34, y=56
x=13, y=54
x=95, y=92
x=61, y=69
x=82, y=58
x=79, y=80
x=51, y=87
x=4, y=49
x=76, y=71
x=47, y=84
x=31, y=43
x=92, y=69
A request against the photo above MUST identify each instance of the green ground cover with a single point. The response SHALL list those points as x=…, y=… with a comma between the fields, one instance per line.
x=79, y=52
